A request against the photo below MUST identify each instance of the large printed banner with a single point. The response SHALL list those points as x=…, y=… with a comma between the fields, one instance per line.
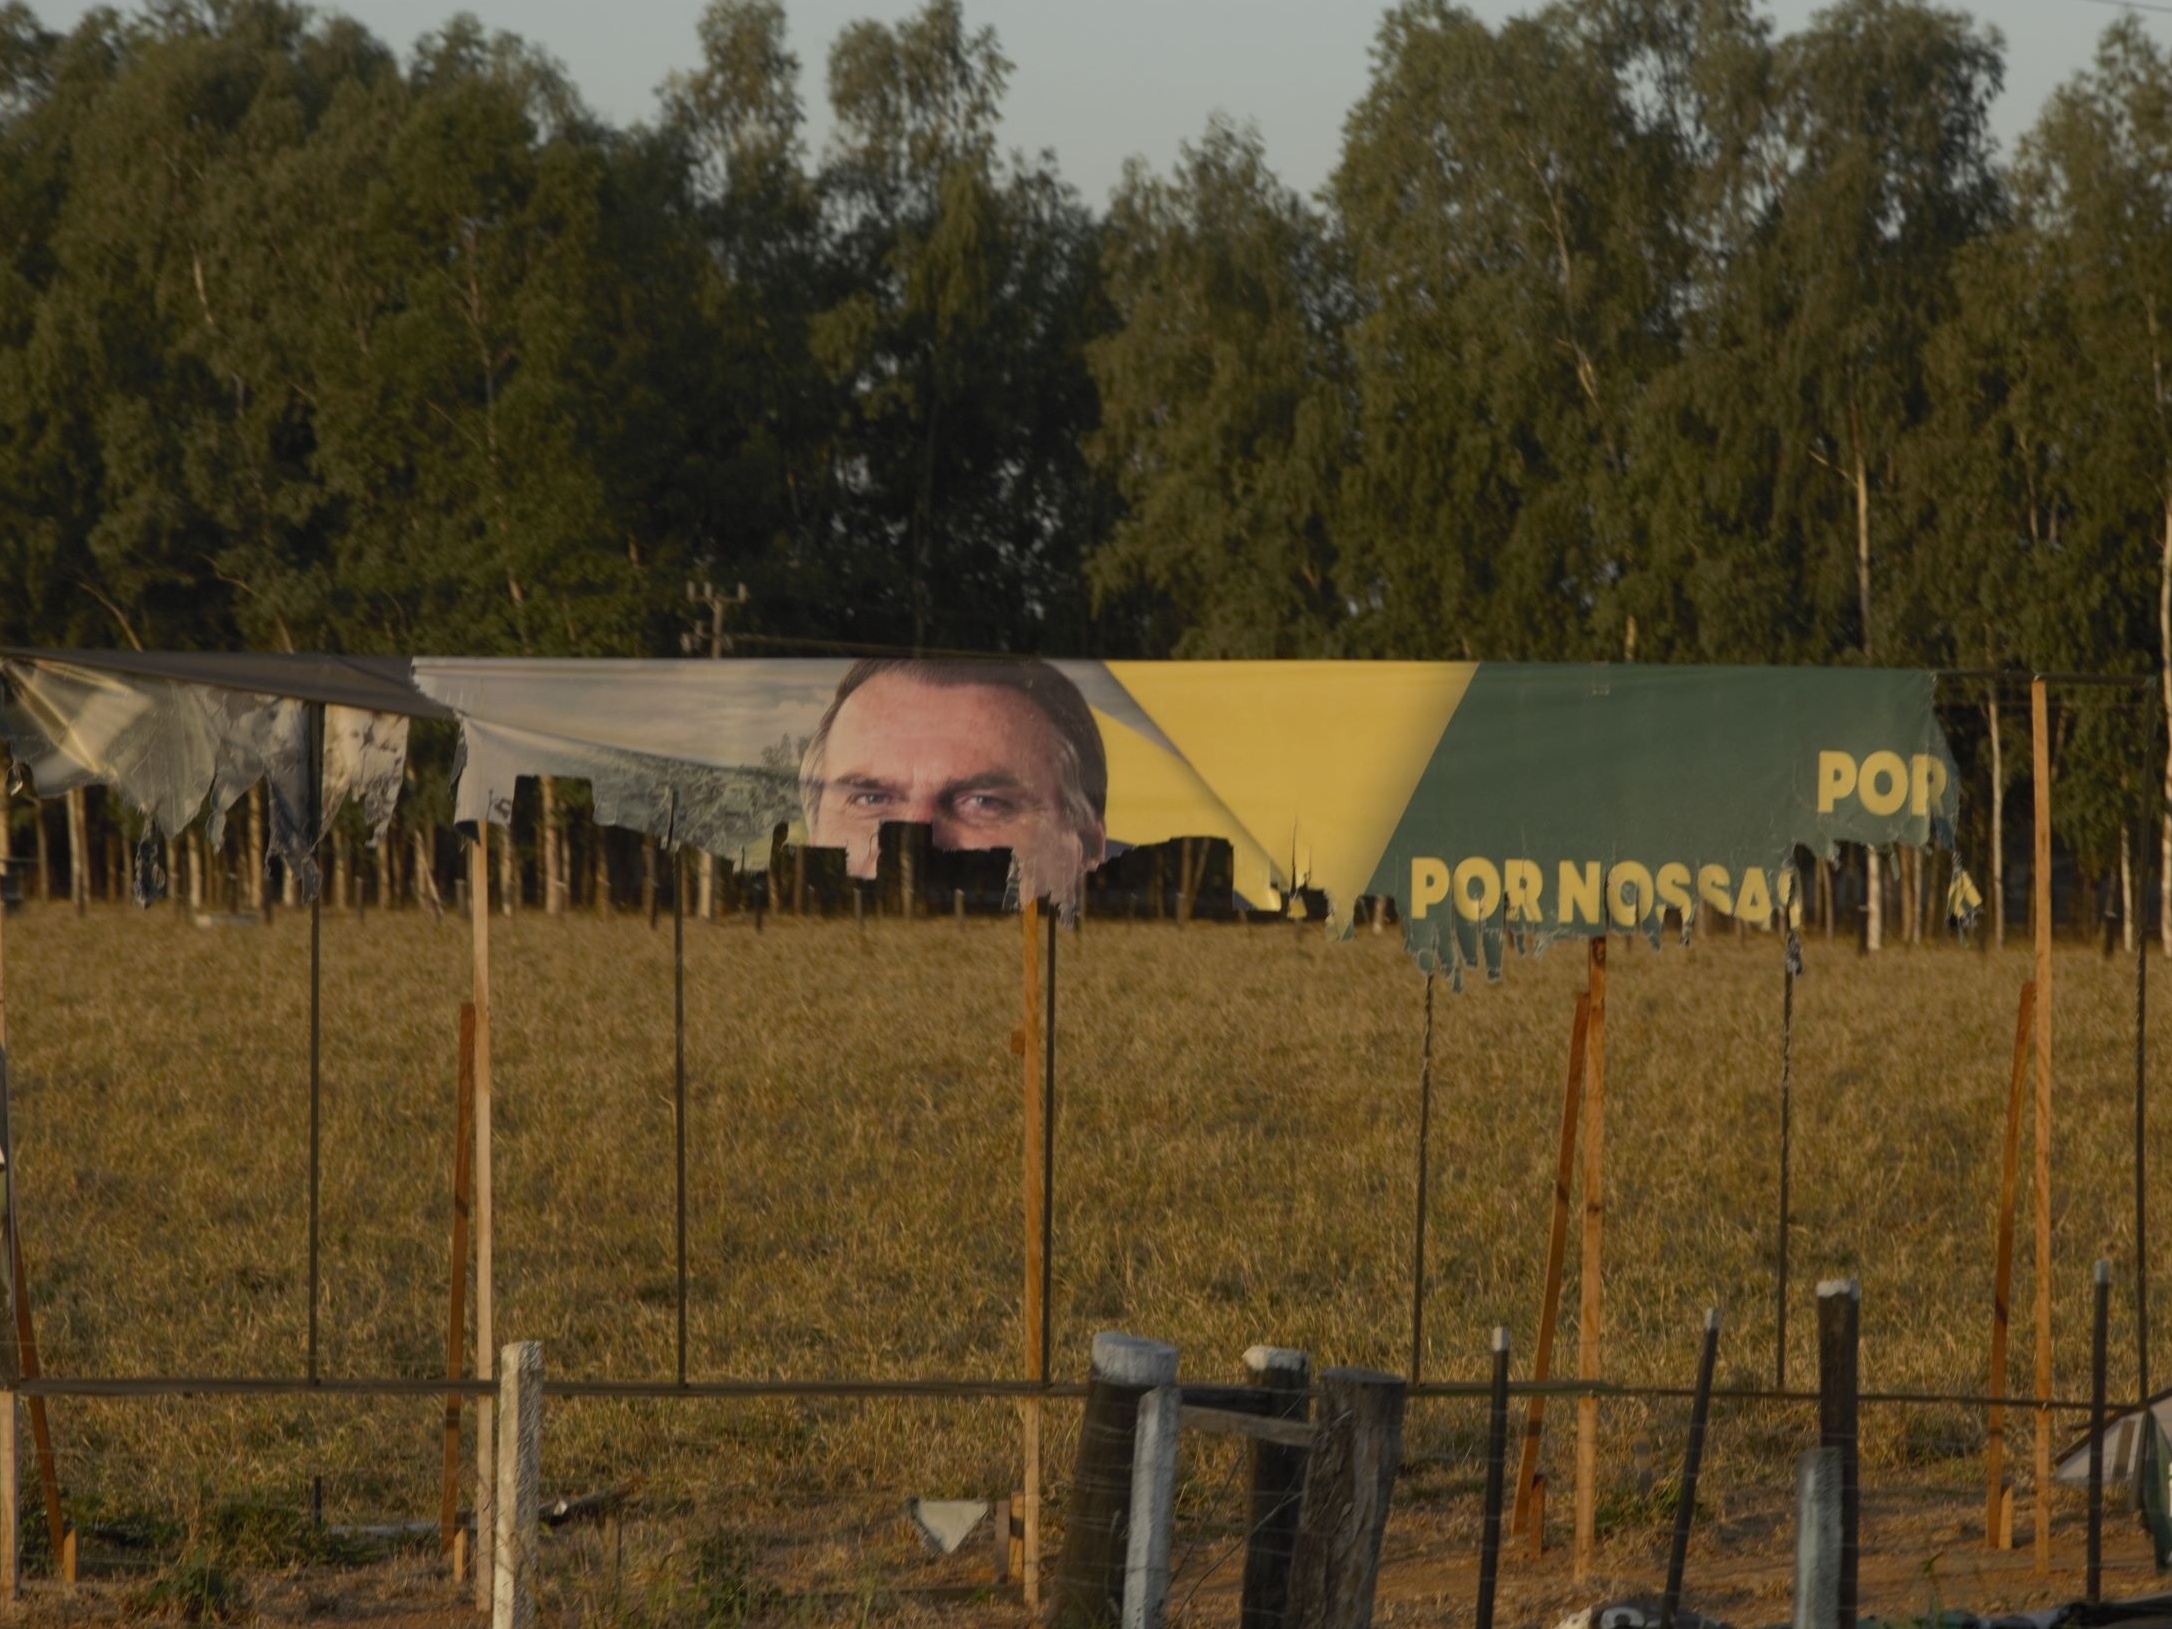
x=1491, y=801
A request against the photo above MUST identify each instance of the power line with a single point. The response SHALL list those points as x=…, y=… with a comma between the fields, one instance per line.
x=2135, y=5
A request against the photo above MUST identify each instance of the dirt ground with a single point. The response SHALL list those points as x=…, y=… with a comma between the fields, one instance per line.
x=1921, y=1555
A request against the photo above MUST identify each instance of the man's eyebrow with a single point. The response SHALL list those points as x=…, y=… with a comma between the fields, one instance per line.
x=862, y=782
x=988, y=780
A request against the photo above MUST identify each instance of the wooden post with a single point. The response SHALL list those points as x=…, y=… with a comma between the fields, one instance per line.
x=26, y=1335
x=1089, y=1587
x=2040, y=728
x=1033, y=1039
x=463, y=1200
x=486, y=1444
x=1588, y=1280
x=11, y=1519
x=2002, y=1274
x=1153, y=1508
x=1557, y=1245
x=518, y=1537
x=1278, y=1489
x=1817, y=1540
x=1840, y=1306
x=11, y=1504
x=1355, y=1454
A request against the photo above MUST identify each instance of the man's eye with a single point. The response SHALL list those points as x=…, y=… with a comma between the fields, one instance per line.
x=867, y=800
x=986, y=806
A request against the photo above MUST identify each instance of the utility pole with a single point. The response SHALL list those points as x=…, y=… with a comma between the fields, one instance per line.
x=704, y=596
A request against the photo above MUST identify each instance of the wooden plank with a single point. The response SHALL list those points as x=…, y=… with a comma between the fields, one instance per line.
x=486, y=1444
x=2040, y=729
x=1589, y=1303
x=2002, y=1276
x=448, y=1516
x=1557, y=1245
x=1223, y=1422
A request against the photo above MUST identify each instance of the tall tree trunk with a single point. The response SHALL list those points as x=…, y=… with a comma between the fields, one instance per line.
x=253, y=858
x=1998, y=829
x=553, y=892
x=599, y=869
x=78, y=852
x=508, y=873
x=423, y=879
x=7, y=836
x=1825, y=897
x=196, y=869
x=1862, y=528
x=705, y=887
x=2164, y=677
x=43, y=833
x=1873, y=899
x=2126, y=888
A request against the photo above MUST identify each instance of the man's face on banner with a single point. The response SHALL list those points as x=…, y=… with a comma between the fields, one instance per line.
x=980, y=765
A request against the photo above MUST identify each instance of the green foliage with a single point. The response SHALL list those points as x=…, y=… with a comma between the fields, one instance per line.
x=1624, y=329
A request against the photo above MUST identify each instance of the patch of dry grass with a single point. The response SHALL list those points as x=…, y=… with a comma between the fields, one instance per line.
x=1236, y=1123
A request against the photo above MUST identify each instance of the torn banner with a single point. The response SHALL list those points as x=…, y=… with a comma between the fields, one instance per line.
x=1490, y=801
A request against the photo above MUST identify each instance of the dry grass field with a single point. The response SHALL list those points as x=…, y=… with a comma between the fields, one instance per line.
x=1236, y=1120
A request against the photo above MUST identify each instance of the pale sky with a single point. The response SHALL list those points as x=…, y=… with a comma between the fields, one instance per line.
x=1102, y=80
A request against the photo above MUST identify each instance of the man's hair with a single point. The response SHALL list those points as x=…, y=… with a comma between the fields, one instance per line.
x=1082, y=762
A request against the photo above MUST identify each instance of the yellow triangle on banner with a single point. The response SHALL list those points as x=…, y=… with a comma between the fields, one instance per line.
x=1316, y=760
x=1155, y=796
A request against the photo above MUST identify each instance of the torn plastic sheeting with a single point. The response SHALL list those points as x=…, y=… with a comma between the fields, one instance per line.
x=717, y=809
x=172, y=750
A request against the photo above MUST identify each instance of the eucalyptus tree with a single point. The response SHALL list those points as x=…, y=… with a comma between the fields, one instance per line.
x=2095, y=179
x=970, y=293
x=1519, y=208
x=1224, y=407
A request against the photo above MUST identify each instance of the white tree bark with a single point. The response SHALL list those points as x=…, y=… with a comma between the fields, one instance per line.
x=1873, y=900
x=2126, y=888
x=1998, y=829
x=254, y=858
x=78, y=851
x=554, y=888
x=2164, y=677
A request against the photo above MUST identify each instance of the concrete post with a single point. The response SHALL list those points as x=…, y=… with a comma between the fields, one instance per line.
x=520, y=1446
x=1153, y=1508
x=1817, y=1539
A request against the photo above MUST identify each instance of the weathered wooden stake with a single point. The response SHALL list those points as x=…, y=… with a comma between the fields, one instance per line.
x=1033, y=1019
x=448, y=1510
x=1818, y=1540
x=2002, y=1276
x=1840, y=1306
x=1489, y=1542
x=519, y=1503
x=1278, y=1489
x=1557, y=1244
x=1589, y=1297
x=1089, y=1586
x=1347, y=1491
x=2040, y=729
x=1153, y=1508
x=486, y=1439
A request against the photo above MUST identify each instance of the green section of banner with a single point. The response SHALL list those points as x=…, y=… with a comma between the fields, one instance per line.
x=1583, y=800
